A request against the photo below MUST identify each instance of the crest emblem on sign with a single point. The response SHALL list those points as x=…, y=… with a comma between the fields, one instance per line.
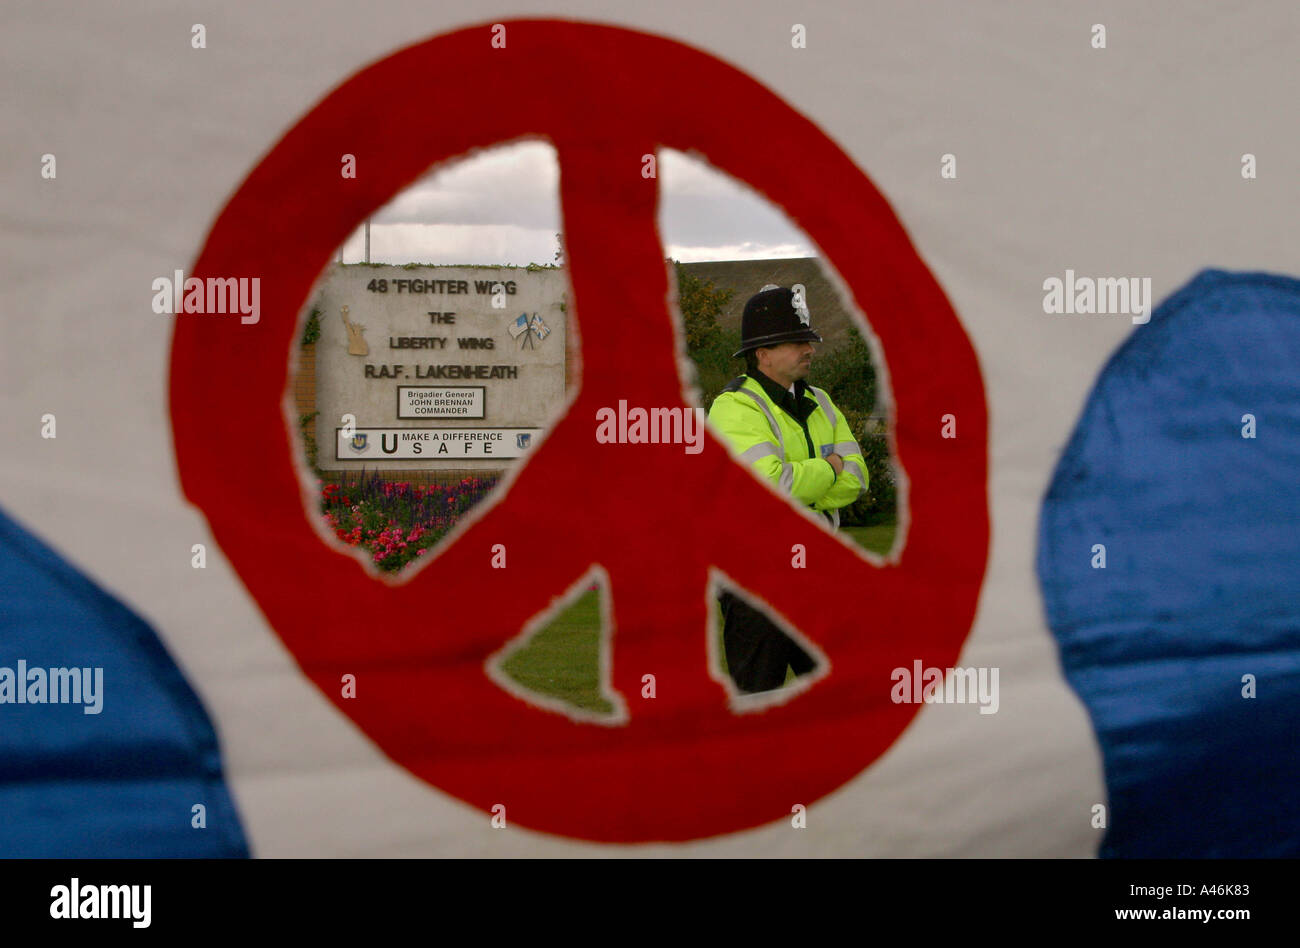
x=356, y=340
x=358, y=443
x=523, y=440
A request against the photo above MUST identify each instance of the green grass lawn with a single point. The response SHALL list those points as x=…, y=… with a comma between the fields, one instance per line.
x=877, y=538
x=562, y=660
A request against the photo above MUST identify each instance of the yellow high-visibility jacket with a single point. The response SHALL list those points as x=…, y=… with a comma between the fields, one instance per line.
x=755, y=417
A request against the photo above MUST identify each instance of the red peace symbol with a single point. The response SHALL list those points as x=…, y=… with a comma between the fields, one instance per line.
x=683, y=765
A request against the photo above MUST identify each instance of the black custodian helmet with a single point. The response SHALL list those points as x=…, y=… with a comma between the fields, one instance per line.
x=771, y=318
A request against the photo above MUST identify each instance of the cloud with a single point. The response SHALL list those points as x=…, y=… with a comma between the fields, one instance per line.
x=746, y=251
x=511, y=186
x=707, y=215
x=501, y=205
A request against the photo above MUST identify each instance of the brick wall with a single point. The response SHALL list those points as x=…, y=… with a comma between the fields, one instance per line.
x=304, y=384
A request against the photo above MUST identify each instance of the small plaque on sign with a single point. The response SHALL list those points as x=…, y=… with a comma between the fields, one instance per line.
x=440, y=401
x=374, y=444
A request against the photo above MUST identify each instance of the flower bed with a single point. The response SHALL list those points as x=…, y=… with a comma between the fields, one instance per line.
x=397, y=522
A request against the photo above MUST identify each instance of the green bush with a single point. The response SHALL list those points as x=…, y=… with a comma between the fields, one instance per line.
x=309, y=440
x=847, y=375
x=311, y=331
x=879, y=503
x=715, y=367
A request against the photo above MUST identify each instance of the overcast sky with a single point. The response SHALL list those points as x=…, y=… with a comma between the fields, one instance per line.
x=502, y=206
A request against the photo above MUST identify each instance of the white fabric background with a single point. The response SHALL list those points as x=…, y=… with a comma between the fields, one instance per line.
x=1123, y=161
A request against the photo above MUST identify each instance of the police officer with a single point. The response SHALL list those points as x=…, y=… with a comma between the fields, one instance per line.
x=792, y=435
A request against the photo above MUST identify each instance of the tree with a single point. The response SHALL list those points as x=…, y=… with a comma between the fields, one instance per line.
x=701, y=303
x=707, y=343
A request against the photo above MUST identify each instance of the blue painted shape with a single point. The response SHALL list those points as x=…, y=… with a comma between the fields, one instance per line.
x=120, y=783
x=1202, y=580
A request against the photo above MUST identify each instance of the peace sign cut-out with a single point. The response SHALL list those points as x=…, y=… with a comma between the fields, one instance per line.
x=683, y=765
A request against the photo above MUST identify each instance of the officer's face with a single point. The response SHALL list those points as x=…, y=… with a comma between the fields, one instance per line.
x=787, y=362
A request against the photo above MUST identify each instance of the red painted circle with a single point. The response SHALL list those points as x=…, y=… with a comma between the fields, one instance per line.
x=683, y=766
